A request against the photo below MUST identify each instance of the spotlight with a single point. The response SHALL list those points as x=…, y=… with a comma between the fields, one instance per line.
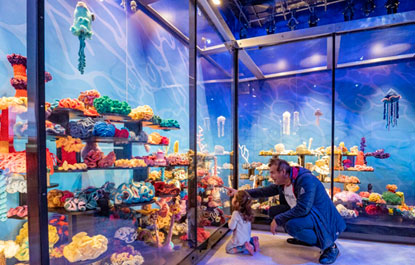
x=216, y=2
x=292, y=22
x=270, y=26
x=392, y=6
x=349, y=11
x=368, y=7
x=313, y=19
x=243, y=32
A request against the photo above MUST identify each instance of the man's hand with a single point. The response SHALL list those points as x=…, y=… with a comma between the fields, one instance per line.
x=231, y=192
x=273, y=227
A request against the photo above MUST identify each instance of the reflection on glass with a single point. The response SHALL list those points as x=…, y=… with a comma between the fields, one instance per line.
x=13, y=135
x=289, y=118
x=375, y=188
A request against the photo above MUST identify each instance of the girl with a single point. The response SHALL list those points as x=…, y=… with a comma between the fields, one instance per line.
x=240, y=223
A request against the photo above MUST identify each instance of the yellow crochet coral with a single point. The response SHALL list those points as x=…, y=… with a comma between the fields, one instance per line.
x=70, y=144
x=141, y=113
x=84, y=247
x=375, y=197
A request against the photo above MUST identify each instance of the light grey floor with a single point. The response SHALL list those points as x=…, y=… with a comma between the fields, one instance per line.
x=275, y=250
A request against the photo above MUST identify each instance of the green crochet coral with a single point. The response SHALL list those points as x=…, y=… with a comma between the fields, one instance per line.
x=82, y=29
x=105, y=105
x=391, y=198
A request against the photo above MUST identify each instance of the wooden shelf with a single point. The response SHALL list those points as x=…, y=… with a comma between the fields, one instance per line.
x=97, y=139
x=65, y=212
x=134, y=204
x=275, y=154
x=115, y=168
x=53, y=185
x=15, y=217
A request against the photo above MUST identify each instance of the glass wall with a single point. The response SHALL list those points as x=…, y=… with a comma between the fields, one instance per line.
x=374, y=113
x=214, y=131
x=287, y=115
x=118, y=126
x=14, y=134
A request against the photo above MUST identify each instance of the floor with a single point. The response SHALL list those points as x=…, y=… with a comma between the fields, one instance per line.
x=275, y=250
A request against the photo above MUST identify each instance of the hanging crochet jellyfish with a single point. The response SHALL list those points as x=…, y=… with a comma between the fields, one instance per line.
x=318, y=114
x=286, y=123
x=206, y=123
x=296, y=122
x=82, y=29
x=391, y=108
x=221, y=126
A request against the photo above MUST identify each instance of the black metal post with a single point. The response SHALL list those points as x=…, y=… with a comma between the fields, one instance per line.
x=333, y=101
x=192, y=186
x=235, y=116
x=36, y=147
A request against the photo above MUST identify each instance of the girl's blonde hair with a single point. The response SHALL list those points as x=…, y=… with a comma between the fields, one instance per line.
x=244, y=205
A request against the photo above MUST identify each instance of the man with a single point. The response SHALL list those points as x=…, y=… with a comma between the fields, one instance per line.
x=306, y=211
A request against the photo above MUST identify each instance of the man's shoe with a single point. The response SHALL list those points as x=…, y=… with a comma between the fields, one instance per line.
x=295, y=241
x=329, y=255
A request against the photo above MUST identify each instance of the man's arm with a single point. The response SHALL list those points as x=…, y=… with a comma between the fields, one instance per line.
x=268, y=191
x=305, y=201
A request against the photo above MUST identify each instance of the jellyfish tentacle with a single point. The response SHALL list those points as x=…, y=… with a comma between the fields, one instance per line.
x=81, y=54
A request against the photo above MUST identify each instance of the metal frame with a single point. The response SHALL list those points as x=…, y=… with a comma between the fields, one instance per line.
x=223, y=29
x=192, y=173
x=36, y=147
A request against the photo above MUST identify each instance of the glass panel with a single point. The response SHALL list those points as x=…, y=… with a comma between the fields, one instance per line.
x=215, y=136
x=379, y=125
x=288, y=117
x=122, y=183
x=175, y=12
x=13, y=133
x=372, y=44
x=277, y=59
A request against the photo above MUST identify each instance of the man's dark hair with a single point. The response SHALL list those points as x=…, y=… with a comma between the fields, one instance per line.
x=280, y=163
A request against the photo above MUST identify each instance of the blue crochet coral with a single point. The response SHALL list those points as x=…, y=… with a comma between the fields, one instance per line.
x=82, y=29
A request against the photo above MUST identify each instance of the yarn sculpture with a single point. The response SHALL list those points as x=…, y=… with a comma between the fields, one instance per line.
x=391, y=108
x=3, y=197
x=82, y=29
x=81, y=128
x=19, y=81
x=105, y=105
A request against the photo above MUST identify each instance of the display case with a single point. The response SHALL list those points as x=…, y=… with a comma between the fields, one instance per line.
x=118, y=169
x=334, y=100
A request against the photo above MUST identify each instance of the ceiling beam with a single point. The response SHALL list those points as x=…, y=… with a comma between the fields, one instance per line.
x=223, y=29
x=169, y=27
x=365, y=24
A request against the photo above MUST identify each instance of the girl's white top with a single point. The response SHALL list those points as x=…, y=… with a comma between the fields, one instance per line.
x=241, y=230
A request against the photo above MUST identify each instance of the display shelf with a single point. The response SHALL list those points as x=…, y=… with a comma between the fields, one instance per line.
x=53, y=185
x=158, y=127
x=104, y=140
x=15, y=217
x=104, y=256
x=134, y=204
x=65, y=212
x=115, y=117
x=340, y=182
x=275, y=154
x=166, y=196
x=114, y=168
x=57, y=113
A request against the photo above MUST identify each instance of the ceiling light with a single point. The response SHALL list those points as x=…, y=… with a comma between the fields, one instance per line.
x=282, y=65
x=216, y=2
